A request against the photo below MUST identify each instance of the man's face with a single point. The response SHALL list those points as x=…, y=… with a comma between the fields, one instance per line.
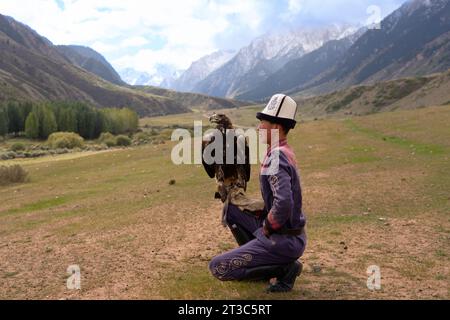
x=266, y=131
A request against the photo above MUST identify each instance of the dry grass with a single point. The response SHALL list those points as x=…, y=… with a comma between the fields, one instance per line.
x=370, y=185
x=13, y=174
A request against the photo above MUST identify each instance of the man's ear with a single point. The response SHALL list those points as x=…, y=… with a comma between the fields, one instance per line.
x=279, y=127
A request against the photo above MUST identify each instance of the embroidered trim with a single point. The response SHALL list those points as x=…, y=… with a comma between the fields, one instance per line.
x=223, y=270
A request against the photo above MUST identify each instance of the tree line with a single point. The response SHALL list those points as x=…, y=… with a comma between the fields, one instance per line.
x=40, y=120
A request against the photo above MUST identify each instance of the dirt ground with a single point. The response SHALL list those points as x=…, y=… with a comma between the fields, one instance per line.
x=368, y=201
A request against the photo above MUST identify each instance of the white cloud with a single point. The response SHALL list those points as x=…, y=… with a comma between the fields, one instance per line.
x=102, y=47
x=142, y=34
x=134, y=42
x=186, y=29
x=294, y=8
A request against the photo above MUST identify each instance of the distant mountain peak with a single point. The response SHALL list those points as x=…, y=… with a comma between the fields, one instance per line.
x=201, y=68
x=264, y=56
x=163, y=76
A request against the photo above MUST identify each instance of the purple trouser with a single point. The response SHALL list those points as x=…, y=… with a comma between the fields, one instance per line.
x=262, y=251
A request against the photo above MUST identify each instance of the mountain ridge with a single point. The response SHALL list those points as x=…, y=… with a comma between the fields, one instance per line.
x=92, y=61
x=33, y=69
x=262, y=57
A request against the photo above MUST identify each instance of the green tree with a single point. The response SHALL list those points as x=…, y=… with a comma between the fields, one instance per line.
x=45, y=119
x=25, y=109
x=67, y=121
x=48, y=124
x=130, y=120
x=4, y=121
x=86, y=124
x=32, y=126
x=119, y=121
x=14, y=116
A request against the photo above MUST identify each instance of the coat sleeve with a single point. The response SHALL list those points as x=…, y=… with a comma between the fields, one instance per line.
x=283, y=203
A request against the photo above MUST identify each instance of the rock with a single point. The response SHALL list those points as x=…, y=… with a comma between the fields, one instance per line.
x=316, y=269
x=410, y=223
x=172, y=182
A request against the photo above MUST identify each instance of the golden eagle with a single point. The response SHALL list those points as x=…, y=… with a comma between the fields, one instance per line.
x=228, y=174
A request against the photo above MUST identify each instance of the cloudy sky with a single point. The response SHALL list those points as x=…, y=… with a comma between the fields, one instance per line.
x=143, y=33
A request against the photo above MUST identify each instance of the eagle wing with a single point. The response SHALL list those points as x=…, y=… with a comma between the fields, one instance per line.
x=243, y=168
x=209, y=168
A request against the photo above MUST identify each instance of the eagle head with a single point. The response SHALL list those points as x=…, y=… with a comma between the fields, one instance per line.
x=221, y=120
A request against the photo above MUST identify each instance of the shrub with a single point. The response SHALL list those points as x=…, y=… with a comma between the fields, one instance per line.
x=9, y=155
x=123, y=141
x=141, y=136
x=65, y=140
x=110, y=142
x=18, y=146
x=61, y=151
x=105, y=137
x=166, y=134
x=96, y=147
x=13, y=174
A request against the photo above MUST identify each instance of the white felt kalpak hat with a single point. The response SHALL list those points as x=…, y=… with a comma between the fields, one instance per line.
x=281, y=109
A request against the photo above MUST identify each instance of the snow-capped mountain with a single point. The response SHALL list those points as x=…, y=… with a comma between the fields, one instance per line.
x=413, y=41
x=300, y=71
x=264, y=56
x=134, y=77
x=163, y=76
x=202, y=68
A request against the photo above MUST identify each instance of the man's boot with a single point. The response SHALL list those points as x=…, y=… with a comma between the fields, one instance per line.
x=286, y=280
x=285, y=274
x=263, y=273
x=241, y=235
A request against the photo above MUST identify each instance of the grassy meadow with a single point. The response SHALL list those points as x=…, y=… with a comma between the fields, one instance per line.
x=376, y=192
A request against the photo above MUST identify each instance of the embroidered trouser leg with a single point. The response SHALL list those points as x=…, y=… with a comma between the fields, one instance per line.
x=233, y=265
x=261, y=251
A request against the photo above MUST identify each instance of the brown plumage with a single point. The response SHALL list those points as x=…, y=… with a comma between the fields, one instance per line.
x=231, y=175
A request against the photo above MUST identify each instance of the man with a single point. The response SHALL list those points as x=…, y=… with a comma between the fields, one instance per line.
x=273, y=240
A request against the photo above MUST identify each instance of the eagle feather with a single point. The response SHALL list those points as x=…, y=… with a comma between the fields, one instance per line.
x=228, y=175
